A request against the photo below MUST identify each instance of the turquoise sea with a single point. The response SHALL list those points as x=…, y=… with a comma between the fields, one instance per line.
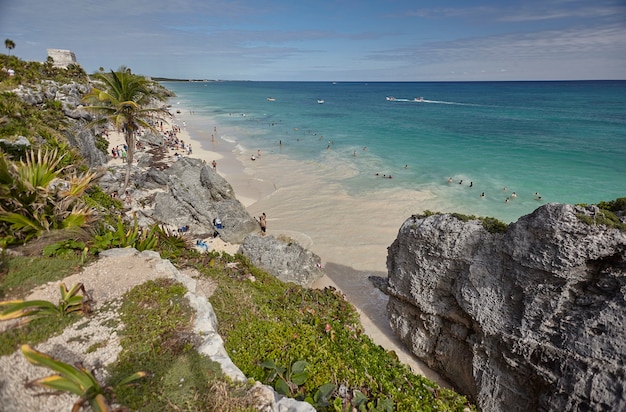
x=565, y=141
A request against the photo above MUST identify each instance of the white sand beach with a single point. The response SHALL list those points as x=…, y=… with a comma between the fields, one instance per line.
x=350, y=233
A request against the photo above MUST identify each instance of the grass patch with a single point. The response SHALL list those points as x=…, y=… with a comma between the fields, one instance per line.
x=36, y=331
x=290, y=323
x=25, y=273
x=157, y=338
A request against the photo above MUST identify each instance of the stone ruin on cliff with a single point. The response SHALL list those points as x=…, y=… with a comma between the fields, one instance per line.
x=62, y=58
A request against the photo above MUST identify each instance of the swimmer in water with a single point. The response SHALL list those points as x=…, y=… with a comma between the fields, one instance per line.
x=450, y=180
x=482, y=194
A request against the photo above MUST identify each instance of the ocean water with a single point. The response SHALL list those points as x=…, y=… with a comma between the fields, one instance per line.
x=562, y=141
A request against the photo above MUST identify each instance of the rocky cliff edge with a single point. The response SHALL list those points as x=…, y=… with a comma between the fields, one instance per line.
x=530, y=319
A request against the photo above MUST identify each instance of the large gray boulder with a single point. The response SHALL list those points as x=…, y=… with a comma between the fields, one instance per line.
x=530, y=319
x=288, y=261
x=195, y=196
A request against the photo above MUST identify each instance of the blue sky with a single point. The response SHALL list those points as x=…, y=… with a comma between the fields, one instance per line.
x=329, y=40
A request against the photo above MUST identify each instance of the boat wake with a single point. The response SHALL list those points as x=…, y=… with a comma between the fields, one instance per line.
x=422, y=100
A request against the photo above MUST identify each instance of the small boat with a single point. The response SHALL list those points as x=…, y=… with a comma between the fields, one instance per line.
x=418, y=99
x=391, y=98
x=271, y=99
x=320, y=101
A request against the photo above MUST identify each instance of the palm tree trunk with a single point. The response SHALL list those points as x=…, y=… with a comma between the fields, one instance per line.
x=130, y=143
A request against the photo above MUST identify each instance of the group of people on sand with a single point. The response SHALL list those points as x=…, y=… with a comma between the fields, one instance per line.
x=504, y=189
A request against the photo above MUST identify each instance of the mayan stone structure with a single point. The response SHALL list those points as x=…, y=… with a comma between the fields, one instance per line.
x=62, y=58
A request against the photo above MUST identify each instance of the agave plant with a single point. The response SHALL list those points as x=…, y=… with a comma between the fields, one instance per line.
x=36, y=197
x=73, y=379
x=71, y=302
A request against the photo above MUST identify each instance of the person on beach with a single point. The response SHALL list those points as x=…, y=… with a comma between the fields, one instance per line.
x=263, y=223
x=214, y=164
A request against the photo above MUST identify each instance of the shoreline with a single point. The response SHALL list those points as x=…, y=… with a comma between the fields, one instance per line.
x=271, y=183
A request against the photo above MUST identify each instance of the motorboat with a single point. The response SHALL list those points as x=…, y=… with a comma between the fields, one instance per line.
x=320, y=101
x=418, y=99
x=391, y=98
x=271, y=99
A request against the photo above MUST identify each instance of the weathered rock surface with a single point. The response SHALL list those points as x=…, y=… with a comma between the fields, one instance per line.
x=532, y=319
x=195, y=196
x=70, y=95
x=289, y=262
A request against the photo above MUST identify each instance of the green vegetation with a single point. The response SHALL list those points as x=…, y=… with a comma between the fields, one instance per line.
x=39, y=330
x=36, y=197
x=23, y=273
x=608, y=214
x=9, y=44
x=307, y=341
x=157, y=337
x=124, y=100
x=491, y=224
x=76, y=380
x=70, y=302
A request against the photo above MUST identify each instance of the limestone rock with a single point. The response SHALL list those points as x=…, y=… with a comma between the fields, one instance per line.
x=70, y=95
x=195, y=196
x=289, y=262
x=531, y=319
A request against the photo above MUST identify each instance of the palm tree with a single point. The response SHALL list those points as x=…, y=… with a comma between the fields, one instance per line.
x=127, y=101
x=9, y=44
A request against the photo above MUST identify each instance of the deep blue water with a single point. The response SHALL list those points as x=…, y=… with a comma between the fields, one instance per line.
x=563, y=140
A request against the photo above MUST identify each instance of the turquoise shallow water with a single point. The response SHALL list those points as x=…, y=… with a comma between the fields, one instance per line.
x=563, y=140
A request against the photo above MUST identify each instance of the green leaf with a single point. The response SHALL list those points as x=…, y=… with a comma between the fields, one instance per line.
x=59, y=383
x=299, y=378
x=20, y=308
x=385, y=405
x=268, y=364
x=299, y=366
x=282, y=387
x=135, y=376
x=99, y=403
x=323, y=393
x=358, y=398
x=80, y=378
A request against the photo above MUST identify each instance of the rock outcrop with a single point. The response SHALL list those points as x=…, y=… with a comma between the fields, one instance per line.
x=195, y=196
x=288, y=261
x=70, y=95
x=530, y=319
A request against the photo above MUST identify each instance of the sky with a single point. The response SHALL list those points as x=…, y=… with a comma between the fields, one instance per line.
x=329, y=40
